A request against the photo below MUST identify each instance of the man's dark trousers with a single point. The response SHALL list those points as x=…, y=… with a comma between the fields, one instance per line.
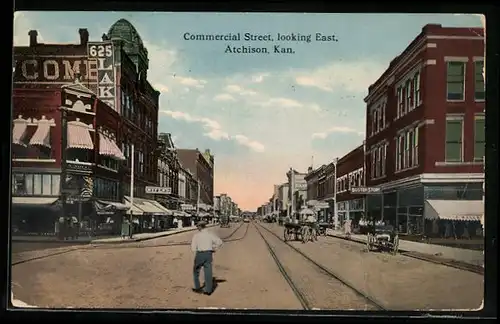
x=203, y=259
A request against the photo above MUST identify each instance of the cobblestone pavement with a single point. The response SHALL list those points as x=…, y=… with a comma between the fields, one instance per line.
x=155, y=277
x=320, y=290
x=397, y=281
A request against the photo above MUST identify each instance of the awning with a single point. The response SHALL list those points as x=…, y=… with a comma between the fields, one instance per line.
x=159, y=206
x=34, y=200
x=108, y=147
x=109, y=207
x=459, y=210
x=79, y=135
x=19, y=129
x=42, y=133
x=146, y=206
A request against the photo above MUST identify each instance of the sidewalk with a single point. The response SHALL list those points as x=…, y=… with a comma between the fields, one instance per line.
x=462, y=255
x=145, y=236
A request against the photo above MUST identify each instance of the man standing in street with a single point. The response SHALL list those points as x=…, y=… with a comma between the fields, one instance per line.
x=203, y=245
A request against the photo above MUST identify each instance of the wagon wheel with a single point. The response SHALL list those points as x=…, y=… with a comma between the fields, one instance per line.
x=395, y=245
x=368, y=242
x=286, y=235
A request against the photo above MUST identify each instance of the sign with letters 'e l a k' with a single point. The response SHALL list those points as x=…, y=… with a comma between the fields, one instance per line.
x=103, y=53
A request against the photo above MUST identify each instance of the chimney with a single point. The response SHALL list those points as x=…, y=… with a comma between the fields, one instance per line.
x=84, y=36
x=33, y=35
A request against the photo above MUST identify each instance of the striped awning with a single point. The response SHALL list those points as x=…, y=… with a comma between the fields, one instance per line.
x=108, y=147
x=19, y=129
x=42, y=133
x=457, y=210
x=79, y=135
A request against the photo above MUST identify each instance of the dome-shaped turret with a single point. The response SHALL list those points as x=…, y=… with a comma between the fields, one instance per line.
x=133, y=44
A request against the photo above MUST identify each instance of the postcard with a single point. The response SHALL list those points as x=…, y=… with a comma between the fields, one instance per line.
x=258, y=161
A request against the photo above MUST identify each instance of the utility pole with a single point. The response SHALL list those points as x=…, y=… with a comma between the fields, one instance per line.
x=292, y=176
x=132, y=172
x=335, y=211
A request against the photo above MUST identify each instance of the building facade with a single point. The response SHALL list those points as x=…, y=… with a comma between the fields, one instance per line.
x=190, y=193
x=350, y=174
x=297, y=193
x=65, y=155
x=201, y=165
x=135, y=100
x=320, y=188
x=168, y=172
x=425, y=129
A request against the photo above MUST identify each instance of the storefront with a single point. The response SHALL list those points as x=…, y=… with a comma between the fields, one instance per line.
x=148, y=215
x=409, y=208
x=34, y=215
x=351, y=209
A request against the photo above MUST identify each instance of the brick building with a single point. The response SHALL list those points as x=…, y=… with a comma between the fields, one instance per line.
x=114, y=105
x=321, y=190
x=350, y=174
x=168, y=172
x=425, y=130
x=200, y=164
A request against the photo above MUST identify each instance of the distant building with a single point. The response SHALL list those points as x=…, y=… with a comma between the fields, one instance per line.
x=202, y=167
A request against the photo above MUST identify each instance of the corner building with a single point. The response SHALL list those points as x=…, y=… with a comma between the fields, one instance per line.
x=425, y=134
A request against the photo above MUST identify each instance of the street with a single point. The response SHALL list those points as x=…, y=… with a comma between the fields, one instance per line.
x=158, y=274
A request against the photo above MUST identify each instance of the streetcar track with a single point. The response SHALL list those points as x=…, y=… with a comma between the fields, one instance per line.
x=422, y=257
x=226, y=239
x=300, y=296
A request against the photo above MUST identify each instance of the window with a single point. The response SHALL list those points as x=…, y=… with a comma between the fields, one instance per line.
x=109, y=163
x=380, y=125
x=400, y=152
x=409, y=103
x=479, y=138
x=384, y=158
x=416, y=89
x=406, y=151
x=374, y=121
x=415, y=147
x=454, y=132
x=26, y=184
x=409, y=137
x=382, y=114
x=400, y=102
x=378, y=153
x=455, y=81
x=478, y=80
x=373, y=164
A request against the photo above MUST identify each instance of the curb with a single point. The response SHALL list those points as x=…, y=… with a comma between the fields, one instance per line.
x=146, y=238
x=425, y=257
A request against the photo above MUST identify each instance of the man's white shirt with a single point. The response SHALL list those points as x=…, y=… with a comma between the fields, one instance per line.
x=205, y=240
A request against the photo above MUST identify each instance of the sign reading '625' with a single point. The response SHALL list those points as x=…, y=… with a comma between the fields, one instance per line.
x=106, y=85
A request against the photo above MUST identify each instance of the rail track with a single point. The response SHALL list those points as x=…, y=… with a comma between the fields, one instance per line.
x=127, y=246
x=301, y=296
x=429, y=258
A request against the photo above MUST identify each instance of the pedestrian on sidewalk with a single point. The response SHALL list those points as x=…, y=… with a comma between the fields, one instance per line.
x=203, y=245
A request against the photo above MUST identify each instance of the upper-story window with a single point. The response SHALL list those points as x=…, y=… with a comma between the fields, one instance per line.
x=455, y=81
x=478, y=80
x=454, y=139
x=408, y=93
x=29, y=184
x=479, y=137
x=378, y=116
x=416, y=90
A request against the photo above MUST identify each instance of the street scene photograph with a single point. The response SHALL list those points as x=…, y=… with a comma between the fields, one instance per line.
x=264, y=161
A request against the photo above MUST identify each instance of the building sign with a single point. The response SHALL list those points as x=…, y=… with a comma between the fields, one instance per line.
x=365, y=190
x=300, y=186
x=57, y=70
x=102, y=53
x=158, y=190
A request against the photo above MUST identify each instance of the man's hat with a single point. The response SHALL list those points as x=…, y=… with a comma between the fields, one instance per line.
x=201, y=224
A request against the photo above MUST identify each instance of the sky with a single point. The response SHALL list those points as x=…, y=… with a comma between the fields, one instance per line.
x=259, y=114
